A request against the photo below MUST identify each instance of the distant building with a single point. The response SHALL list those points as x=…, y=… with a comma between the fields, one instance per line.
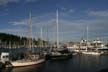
x=97, y=43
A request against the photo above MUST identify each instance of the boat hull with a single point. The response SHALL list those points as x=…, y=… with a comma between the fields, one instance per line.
x=58, y=57
x=26, y=63
x=91, y=53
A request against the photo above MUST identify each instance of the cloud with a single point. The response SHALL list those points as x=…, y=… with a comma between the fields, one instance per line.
x=66, y=10
x=11, y=30
x=63, y=8
x=19, y=32
x=31, y=0
x=68, y=28
x=71, y=10
x=4, y=14
x=18, y=23
x=36, y=21
x=98, y=13
x=49, y=20
x=5, y=2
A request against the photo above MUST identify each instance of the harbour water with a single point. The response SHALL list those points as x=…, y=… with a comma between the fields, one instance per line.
x=78, y=63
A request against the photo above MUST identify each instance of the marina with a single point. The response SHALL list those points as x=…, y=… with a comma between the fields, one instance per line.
x=53, y=36
x=78, y=63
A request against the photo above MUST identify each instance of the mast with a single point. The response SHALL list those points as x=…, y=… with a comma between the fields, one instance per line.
x=10, y=46
x=41, y=35
x=57, y=28
x=47, y=39
x=30, y=31
x=87, y=38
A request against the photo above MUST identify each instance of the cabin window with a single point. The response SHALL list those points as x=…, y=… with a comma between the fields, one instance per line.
x=5, y=56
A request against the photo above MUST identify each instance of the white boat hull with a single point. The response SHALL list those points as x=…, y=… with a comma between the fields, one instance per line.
x=91, y=53
x=22, y=63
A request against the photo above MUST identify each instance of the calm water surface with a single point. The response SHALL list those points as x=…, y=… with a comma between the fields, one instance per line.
x=79, y=63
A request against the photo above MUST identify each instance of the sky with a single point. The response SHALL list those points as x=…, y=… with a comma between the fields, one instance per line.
x=74, y=18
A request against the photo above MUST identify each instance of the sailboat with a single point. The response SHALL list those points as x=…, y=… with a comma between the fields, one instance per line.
x=58, y=53
x=89, y=52
x=31, y=59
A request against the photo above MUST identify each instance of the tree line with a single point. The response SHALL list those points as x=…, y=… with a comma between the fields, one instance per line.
x=18, y=40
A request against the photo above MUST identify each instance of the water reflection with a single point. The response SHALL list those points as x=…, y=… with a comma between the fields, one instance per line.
x=34, y=68
x=104, y=70
x=78, y=63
